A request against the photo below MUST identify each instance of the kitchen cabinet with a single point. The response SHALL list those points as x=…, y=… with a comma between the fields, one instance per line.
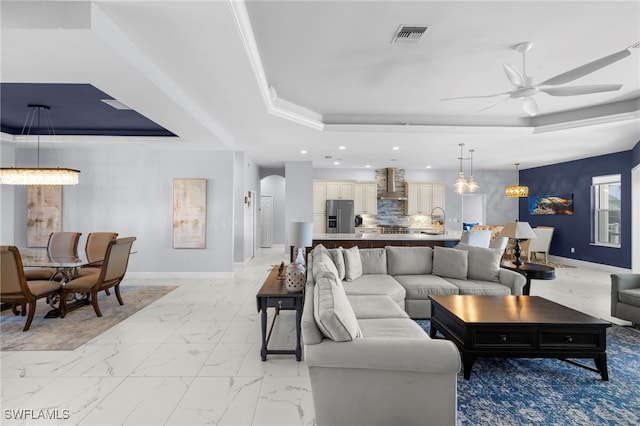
x=319, y=198
x=422, y=197
x=339, y=190
x=365, y=198
x=319, y=223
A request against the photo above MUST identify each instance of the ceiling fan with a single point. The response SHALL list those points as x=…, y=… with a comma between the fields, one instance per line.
x=523, y=87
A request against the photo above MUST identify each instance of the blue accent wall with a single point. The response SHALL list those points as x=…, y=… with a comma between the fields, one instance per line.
x=574, y=177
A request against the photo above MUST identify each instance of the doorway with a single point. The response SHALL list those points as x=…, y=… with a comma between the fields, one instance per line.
x=474, y=208
x=266, y=220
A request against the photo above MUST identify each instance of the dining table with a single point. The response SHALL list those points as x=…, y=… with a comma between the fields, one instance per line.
x=66, y=265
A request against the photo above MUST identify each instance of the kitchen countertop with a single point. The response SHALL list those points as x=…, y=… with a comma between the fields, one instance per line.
x=447, y=236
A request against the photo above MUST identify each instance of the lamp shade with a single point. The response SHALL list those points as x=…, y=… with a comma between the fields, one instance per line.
x=301, y=234
x=518, y=230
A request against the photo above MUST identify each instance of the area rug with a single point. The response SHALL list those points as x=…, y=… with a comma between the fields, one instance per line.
x=79, y=326
x=553, y=392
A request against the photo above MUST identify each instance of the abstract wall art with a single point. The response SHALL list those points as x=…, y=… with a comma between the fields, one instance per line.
x=44, y=213
x=551, y=204
x=189, y=213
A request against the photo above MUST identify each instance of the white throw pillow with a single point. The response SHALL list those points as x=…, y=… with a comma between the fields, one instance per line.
x=338, y=260
x=352, y=263
x=483, y=263
x=333, y=312
x=450, y=263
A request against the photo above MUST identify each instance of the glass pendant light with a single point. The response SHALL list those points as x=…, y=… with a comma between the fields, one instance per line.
x=461, y=183
x=472, y=186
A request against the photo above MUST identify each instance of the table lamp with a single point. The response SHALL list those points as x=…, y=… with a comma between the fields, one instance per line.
x=300, y=236
x=518, y=231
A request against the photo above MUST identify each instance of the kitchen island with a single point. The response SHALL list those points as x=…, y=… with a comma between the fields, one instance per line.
x=446, y=239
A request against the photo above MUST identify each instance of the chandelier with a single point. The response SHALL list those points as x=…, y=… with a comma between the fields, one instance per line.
x=462, y=185
x=38, y=175
x=516, y=190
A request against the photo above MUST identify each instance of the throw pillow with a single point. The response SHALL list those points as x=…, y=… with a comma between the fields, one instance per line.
x=325, y=265
x=450, y=262
x=374, y=261
x=338, y=260
x=483, y=263
x=409, y=260
x=352, y=263
x=333, y=312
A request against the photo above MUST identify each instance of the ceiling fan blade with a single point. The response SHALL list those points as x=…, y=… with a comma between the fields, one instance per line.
x=530, y=106
x=474, y=97
x=490, y=106
x=585, y=69
x=581, y=90
x=514, y=76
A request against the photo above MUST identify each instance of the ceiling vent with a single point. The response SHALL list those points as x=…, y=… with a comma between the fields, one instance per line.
x=409, y=35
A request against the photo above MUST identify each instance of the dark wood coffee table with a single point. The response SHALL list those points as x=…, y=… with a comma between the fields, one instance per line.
x=518, y=327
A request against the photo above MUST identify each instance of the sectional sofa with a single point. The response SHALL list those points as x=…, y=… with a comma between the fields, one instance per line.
x=369, y=362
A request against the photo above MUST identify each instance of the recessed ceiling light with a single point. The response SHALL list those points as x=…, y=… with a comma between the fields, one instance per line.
x=428, y=167
x=304, y=151
x=368, y=166
x=395, y=148
x=336, y=163
x=342, y=147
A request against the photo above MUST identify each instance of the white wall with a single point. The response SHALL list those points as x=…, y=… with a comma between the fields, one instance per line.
x=274, y=185
x=299, y=194
x=130, y=192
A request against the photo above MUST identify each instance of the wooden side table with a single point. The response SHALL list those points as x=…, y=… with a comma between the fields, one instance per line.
x=531, y=271
x=273, y=294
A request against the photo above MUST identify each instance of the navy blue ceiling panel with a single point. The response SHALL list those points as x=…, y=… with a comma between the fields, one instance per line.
x=76, y=109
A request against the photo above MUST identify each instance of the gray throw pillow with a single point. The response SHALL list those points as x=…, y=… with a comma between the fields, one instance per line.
x=374, y=261
x=409, y=260
x=483, y=263
x=352, y=263
x=333, y=312
x=338, y=260
x=450, y=263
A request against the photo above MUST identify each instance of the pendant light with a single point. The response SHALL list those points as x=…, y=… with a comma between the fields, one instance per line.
x=38, y=175
x=472, y=186
x=461, y=183
x=516, y=190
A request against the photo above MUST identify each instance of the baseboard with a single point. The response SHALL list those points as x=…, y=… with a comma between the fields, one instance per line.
x=591, y=265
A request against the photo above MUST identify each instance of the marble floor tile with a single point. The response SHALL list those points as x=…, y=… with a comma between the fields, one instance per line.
x=175, y=360
x=285, y=401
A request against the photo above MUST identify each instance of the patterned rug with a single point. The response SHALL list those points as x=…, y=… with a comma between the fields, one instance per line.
x=79, y=326
x=552, y=392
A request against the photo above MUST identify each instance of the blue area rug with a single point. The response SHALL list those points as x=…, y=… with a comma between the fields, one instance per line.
x=553, y=392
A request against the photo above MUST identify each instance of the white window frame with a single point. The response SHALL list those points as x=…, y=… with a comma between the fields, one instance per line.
x=597, y=184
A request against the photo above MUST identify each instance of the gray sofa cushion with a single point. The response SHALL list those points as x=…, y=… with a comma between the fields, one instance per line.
x=338, y=260
x=630, y=296
x=479, y=288
x=368, y=307
x=352, y=263
x=392, y=328
x=450, y=263
x=322, y=265
x=378, y=284
x=483, y=263
x=419, y=287
x=374, y=261
x=409, y=260
x=333, y=313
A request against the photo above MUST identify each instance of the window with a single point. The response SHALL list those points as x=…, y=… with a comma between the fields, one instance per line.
x=606, y=210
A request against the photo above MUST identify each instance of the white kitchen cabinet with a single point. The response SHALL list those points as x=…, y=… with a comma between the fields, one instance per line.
x=423, y=197
x=339, y=190
x=319, y=197
x=319, y=223
x=365, y=198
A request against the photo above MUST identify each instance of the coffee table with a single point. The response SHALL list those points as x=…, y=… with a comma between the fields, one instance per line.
x=518, y=327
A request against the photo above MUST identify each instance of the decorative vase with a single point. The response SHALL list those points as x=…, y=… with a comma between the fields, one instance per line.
x=296, y=277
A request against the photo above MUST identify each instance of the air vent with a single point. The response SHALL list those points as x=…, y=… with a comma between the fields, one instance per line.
x=409, y=35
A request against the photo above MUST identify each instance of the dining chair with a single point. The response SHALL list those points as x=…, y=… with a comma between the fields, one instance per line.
x=499, y=243
x=95, y=249
x=540, y=244
x=111, y=274
x=61, y=245
x=16, y=290
x=476, y=238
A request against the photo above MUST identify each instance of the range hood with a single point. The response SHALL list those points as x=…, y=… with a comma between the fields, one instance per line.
x=391, y=193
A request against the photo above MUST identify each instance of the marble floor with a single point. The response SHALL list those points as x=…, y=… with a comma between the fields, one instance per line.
x=192, y=358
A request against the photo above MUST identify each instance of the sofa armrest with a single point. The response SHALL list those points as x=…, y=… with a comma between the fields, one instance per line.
x=514, y=280
x=416, y=355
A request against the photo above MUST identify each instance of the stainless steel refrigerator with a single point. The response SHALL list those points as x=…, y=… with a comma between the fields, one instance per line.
x=340, y=217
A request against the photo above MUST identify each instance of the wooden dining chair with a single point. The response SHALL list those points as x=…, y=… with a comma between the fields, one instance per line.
x=16, y=290
x=60, y=245
x=95, y=249
x=111, y=274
